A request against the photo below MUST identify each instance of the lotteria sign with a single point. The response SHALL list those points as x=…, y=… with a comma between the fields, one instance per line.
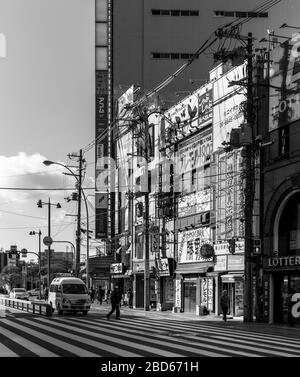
x=289, y=261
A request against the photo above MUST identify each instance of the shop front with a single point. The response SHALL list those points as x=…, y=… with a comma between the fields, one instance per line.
x=282, y=265
x=138, y=284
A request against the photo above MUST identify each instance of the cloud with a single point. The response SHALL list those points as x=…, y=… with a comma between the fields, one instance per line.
x=23, y=171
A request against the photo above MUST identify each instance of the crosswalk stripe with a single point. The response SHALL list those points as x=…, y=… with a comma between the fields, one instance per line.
x=173, y=343
x=6, y=352
x=50, y=339
x=103, y=337
x=258, y=348
x=241, y=333
x=33, y=347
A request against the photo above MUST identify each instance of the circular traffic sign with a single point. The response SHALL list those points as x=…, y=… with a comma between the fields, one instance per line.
x=47, y=240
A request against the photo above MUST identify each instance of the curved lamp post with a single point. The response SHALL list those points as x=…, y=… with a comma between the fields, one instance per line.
x=48, y=163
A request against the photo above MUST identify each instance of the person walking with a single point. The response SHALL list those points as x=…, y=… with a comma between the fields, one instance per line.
x=224, y=303
x=115, y=299
x=92, y=294
x=100, y=295
x=130, y=297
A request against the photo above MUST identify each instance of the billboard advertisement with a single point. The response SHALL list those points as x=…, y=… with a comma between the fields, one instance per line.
x=189, y=245
x=193, y=153
x=284, y=99
x=125, y=100
x=227, y=114
x=194, y=203
x=193, y=112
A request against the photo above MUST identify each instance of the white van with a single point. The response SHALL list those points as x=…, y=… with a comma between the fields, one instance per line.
x=69, y=294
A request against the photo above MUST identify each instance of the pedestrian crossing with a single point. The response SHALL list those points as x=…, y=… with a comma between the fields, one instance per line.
x=135, y=336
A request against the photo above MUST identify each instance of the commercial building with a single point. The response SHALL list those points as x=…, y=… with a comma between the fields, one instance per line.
x=281, y=228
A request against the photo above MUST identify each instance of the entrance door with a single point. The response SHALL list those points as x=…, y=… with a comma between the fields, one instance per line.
x=230, y=288
x=284, y=286
x=190, y=297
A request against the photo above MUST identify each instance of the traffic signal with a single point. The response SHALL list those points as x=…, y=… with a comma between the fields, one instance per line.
x=231, y=245
x=10, y=254
x=39, y=204
x=75, y=196
x=257, y=246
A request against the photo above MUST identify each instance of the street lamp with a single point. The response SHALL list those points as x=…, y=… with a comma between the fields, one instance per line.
x=48, y=163
x=288, y=26
x=49, y=240
x=32, y=233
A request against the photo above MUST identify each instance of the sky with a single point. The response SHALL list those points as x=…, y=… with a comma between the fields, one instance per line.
x=46, y=112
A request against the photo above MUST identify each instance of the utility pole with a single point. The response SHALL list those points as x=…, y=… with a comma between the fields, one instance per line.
x=147, y=265
x=248, y=165
x=49, y=246
x=78, y=232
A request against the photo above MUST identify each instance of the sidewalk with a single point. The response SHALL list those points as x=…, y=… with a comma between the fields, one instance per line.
x=232, y=322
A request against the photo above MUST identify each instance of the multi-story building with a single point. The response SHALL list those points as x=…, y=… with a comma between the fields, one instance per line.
x=3, y=259
x=281, y=170
x=144, y=53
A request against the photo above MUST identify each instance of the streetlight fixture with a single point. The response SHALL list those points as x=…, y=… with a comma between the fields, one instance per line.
x=285, y=25
x=32, y=233
x=48, y=163
x=48, y=240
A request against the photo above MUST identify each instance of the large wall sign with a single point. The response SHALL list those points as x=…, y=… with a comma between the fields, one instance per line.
x=193, y=153
x=284, y=98
x=124, y=112
x=228, y=114
x=194, y=203
x=193, y=112
x=189, y=245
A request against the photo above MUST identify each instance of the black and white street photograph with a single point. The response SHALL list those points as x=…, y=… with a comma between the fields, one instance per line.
x=149, y=185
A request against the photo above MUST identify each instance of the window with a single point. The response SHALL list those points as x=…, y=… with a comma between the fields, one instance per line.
x=155, y=12
x=74, y=288
x=222, y=13
x=175, y=56
x=174, y=12
x=172, y=55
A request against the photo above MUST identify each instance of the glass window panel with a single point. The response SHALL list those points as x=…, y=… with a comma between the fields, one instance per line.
x=101, y=58
x=101, y=10
x=101, y=34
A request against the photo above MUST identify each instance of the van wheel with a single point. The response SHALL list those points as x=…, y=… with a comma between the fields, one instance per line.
x=59, y=311
x=84, y=312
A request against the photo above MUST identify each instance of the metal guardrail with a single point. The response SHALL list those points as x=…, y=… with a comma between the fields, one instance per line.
x=27, y=306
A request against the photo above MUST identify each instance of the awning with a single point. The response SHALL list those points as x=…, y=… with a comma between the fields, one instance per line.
x=232, y=278
x=193, y=268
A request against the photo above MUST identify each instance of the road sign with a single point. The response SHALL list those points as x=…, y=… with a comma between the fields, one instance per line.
x=47, y=241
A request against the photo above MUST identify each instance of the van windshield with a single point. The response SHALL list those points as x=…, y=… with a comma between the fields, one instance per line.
x=74, y=288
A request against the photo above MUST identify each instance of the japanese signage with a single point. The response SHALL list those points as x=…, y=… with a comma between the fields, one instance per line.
x=228, y=114
x=235, y=262
x=193, y=153
x=116, y=268
x=189, y=245
x=194, y=203
x=163, y=266
x=207, y=293
x=222, y=247
x=230, y=196
x=221, y=264
x=284, y=98
x=140, y=266
x=193, y=112
x=177, y=293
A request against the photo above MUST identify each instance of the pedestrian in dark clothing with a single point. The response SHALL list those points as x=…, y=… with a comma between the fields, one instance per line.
x=115, y=299
x=46, y=293
x=130, y=297
x=224, y=303
x=92, y=294
x=100, y=295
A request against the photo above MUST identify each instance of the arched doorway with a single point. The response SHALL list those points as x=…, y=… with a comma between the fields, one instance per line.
x=285, y=262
